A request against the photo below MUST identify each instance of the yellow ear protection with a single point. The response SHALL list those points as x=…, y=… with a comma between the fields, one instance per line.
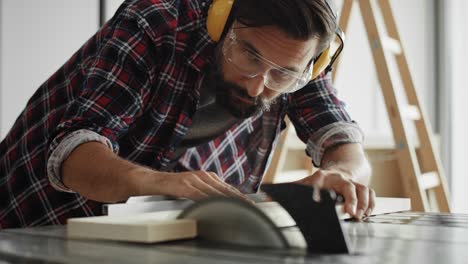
x=325, y=60
x=220, y=15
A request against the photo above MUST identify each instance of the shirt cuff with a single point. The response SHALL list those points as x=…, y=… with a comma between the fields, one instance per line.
x=63, y=150
x=332, y=135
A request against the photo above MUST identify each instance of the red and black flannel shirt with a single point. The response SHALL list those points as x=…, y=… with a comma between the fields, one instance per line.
x=136, y=82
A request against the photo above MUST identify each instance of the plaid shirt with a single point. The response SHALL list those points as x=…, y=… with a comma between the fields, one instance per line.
x=134, y=86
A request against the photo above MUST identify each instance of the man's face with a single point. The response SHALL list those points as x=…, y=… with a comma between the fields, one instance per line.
x=244, y=95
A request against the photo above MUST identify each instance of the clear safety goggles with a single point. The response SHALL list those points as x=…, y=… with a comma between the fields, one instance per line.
x=251, y=64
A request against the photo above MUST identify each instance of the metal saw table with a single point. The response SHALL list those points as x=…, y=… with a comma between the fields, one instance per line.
x=404, y=237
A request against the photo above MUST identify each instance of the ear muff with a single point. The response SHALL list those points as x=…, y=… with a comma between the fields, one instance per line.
x=326, y=59
x=218, y=15
x=321, y=63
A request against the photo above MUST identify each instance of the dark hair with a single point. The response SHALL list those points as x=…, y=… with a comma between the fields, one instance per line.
x=300, y=19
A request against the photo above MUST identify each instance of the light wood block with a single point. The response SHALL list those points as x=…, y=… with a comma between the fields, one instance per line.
x=144, y=228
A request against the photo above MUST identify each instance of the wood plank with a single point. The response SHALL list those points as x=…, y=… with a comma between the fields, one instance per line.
x=143, y=228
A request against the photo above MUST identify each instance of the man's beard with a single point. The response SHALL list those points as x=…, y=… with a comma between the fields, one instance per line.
x=238, y=102
x=231, y=96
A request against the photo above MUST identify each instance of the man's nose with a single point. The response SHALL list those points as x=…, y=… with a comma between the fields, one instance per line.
x=255, y=86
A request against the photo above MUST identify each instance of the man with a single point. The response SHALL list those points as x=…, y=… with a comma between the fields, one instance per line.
x=151, y=105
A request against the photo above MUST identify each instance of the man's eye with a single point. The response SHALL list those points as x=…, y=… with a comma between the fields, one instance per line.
x=280, y=75
x=252, y=56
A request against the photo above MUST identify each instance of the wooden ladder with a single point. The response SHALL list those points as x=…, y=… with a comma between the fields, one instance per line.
x=421, y=172
x=420, y=169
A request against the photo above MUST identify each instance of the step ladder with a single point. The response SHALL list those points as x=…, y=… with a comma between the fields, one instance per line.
x=420, y=169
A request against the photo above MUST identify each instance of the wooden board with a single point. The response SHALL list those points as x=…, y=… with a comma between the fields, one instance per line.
x=145, y=228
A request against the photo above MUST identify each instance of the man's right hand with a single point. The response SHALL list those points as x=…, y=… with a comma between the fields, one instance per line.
x=195, y=185
x=95, y=172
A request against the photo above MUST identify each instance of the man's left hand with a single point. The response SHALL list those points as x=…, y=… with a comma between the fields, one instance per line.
x=359, y=199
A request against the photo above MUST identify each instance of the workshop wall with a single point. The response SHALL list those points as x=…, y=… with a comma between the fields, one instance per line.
x=37, y=37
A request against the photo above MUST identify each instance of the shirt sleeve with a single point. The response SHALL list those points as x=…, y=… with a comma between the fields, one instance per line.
x=115, y=88
x=64, y=149
x=320, y=118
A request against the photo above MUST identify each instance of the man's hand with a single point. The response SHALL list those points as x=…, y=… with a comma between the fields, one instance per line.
x=345, y=170
x=359, y=199
x=195, y=185
x=115, y=179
